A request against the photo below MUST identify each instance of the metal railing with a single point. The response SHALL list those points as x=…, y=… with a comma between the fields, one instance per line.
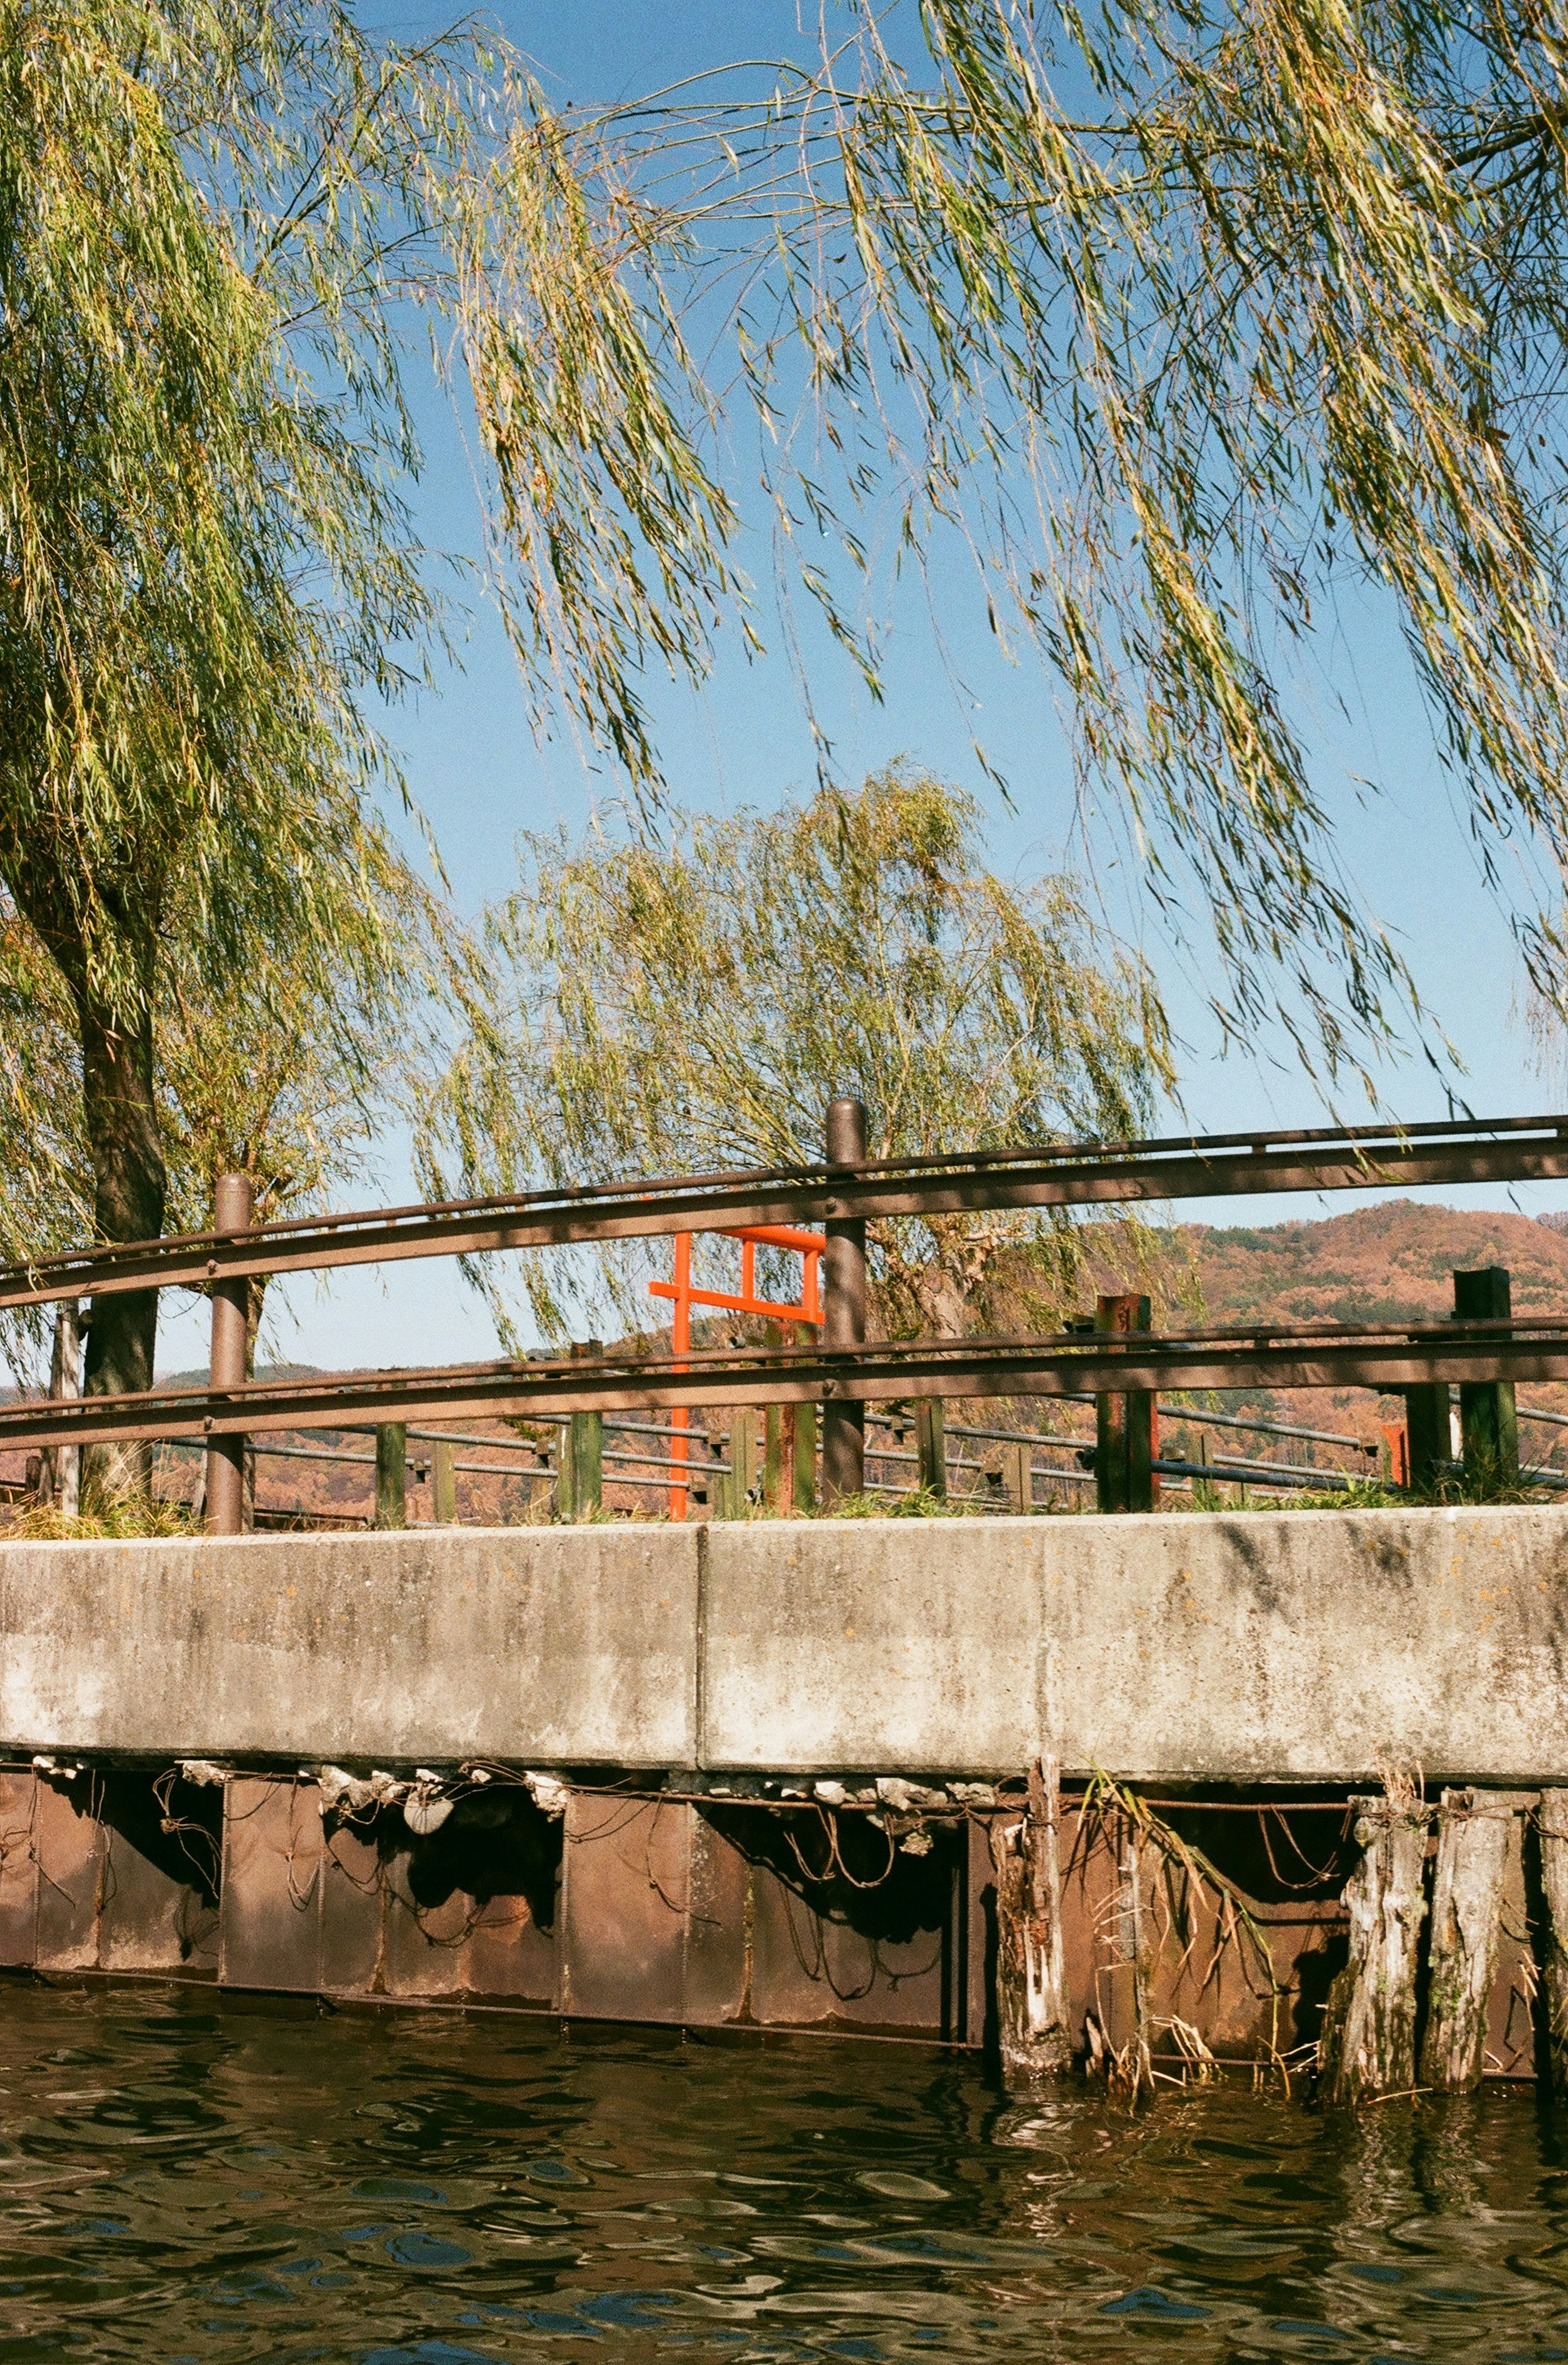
x=844, y=1372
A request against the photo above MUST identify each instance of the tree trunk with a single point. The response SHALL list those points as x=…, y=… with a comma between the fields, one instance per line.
x=127, y=1205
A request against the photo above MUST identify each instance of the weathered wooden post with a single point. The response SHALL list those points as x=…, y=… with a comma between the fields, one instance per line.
x=778, y=1444
x=1487, y=1420
x=743, y=1461
x=805, y=1450
x=1124, y=1423
x=1018, y=1476
x=392, y=1473
x=1368, y=2044
x=232, y=1202
x=1467, y=1898
x=1031, y=1978
x=581, y=1491
x=444, y=1488
x=931, y=1445
x=1429, y=1433
x=1552, y=1829
x=844, y=1304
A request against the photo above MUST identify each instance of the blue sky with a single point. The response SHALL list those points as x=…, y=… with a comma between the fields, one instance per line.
x=480, y=777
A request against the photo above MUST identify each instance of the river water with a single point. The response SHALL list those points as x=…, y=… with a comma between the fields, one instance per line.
x=184, y=2179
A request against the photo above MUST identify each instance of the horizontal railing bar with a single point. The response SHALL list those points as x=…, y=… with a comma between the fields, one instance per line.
x=1037, y=1175
x=1328, y=1355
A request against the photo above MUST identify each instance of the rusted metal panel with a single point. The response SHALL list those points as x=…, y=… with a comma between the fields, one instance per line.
x=158, y=1890
x=72, y=1853
x=719, y=1908
x=350, y=1956
x=18, y=1870
x=423, y=1944
x=625, y=1894
x=272, y=1879
x=851, y=1930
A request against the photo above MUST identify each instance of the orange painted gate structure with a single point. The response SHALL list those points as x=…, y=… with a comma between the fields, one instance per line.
x=684, y=1296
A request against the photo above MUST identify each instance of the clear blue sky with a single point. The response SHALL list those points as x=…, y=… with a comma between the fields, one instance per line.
x=476, y=772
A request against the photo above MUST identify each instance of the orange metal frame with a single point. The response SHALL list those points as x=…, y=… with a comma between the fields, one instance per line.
x=808, y=1246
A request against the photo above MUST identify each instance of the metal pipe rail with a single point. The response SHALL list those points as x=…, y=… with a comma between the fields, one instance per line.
x=1048, y=1174
x=1318, y=1355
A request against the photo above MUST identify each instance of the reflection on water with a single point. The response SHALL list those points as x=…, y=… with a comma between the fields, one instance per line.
x=188, y=2180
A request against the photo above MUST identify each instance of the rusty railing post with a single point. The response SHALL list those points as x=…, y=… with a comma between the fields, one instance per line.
x=844, y=1304
x=63, y=1464
x=226, y=1365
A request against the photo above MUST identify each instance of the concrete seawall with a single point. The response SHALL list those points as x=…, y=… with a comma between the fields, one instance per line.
x=1306, y=1646
x=722, y=1716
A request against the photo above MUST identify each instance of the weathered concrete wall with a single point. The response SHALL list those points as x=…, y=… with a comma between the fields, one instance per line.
x=1302, y=1645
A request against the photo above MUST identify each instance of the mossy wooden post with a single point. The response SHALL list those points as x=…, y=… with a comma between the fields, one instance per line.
x=1124, y=1423
x=1031, y=1978
x=805, y=1494
x=1428, y=1433
x=1487, y=1420
x=443, y=1493
x=931, y=1446
x=1553, y=1825
x=778, y=1449
x=1368, y=2044
x=743, y=1461
x=1467, y=1898
x=392, y=1475
x=581, y=1490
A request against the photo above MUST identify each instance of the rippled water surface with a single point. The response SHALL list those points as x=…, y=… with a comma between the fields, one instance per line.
x=185, y=2179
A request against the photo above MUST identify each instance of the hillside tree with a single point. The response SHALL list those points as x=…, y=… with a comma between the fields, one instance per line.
x=641, y=1008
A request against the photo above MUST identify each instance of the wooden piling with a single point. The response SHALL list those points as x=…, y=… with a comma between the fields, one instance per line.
x=1136, y=2069
x=1031, y=1979
x=1553, y=1827
x=1467, y=1895
x=1367, y=2045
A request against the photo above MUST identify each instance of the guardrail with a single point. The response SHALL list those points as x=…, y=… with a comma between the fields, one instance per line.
x=844, y=1371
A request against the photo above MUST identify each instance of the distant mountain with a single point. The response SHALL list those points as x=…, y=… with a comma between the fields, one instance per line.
x=1391, y=1263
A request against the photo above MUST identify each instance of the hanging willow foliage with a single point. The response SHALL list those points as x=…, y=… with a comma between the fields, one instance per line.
x=641, y=1009
x=1196, y=320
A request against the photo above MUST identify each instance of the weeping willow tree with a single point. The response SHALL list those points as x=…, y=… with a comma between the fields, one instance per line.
x=1205, y=326
x=284, y=1076
x=641, y=1009
x=227, y=231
